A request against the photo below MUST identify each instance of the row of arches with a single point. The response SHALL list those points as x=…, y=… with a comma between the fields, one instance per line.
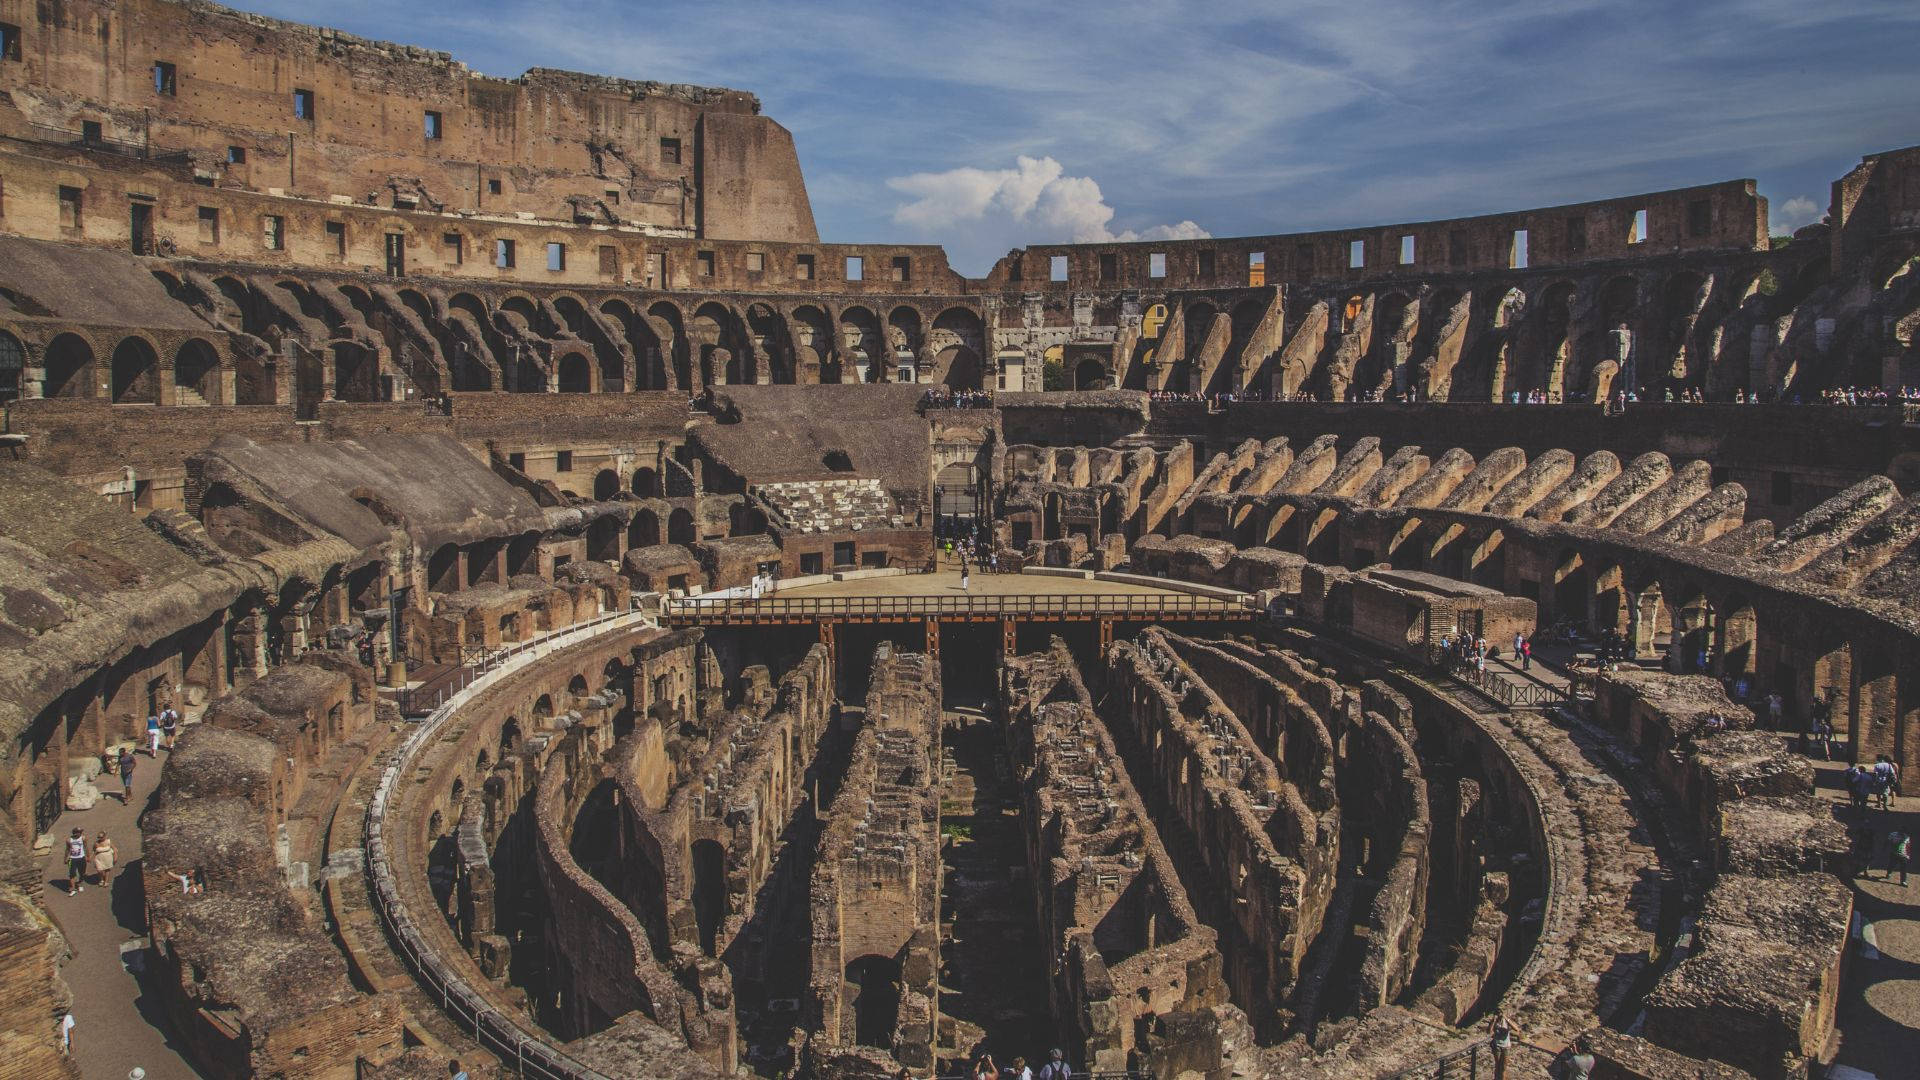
x=133, y=371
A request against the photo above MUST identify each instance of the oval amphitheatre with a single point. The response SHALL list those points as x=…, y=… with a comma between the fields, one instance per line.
x=714, y=652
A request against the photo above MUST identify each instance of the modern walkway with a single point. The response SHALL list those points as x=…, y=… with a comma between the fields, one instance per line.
x=1880, y=997
x=118, y=1024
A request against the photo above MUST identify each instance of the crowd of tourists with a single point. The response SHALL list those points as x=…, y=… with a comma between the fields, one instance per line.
x=939, y=397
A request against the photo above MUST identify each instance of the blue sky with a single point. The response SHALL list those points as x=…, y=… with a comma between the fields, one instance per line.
x=984, y=126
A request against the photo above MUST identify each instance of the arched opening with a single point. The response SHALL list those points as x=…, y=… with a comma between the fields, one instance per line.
x=354, y=372
x=606, y=484
x=69, y=367
x=674, y=356
x=961, y=368
x=812, y=341
x=768, y=335
x=577, y=686
x=644, y=530
x=1090, y=375
x=196, y=370
x=576, y=375
x=876, y=1001
x=718, y=348
x=603, y=539
x=542, y=710
x=709, y=891
x=861, y=343
x=646, y=483
x=509, y=736
x=136, y=373
x=523, y=554
x=680, y=527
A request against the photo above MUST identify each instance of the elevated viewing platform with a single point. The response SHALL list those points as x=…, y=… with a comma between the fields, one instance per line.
x=939, y=596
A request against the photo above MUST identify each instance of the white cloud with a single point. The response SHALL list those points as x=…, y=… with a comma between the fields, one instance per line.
x=1795, y=213
x=1035, y=194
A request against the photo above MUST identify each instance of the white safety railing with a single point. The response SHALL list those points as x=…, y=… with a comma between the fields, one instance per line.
x=530, y=1054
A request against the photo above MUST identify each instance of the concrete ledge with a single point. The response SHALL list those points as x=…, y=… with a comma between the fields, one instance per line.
x=878, y=572
x=1058, y=571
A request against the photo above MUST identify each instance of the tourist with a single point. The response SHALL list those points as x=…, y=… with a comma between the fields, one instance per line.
x=1580, y=1065
x=1856, y=782
x=455, y=1071
x=1526, y=654
x=103, y=859
x=1887, y=776
x=169, y=726
x=76, y=862
x=153, y=735
x=1898, y=850
x=1056, y=1067
x=1503, y=1031
x=1018, y=1070
x=984, y=1069
x=1518, y=637
x=126, y=775
x=66, y=1033
x=1774, y=710
x=963, y=575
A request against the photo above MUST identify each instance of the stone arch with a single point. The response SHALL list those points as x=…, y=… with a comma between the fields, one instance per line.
x=646, y=483
x=815, y=360
x=1677, y=364
x=643, y=530
x=1555, y=321
x=196, y=367
x=680, y=527
x=69, y=368
x=1090, y=374
x=768, y=334
x=1382, y=370
x=356, y=372
x=575, y=374
x=603, y=539
x=670, y=327
x=135, y=372
x=606, y=484
x=714, y=335
x=650, y=361
x=863, y=345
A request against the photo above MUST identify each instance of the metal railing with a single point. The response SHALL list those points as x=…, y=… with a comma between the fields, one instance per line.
x=530, y=1054
x=1009, y=606
x=1510, y=694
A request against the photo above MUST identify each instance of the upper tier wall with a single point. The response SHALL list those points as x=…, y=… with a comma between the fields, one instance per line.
x=195, y=79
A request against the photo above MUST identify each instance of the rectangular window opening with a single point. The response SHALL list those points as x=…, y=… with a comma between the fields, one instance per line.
x=69, y=207
x=756, y=262
x=669, y=151
x=556, y=257
x=1157, y=264
x=1110, y=267
x=493, y=186
x=856, y=268
x=1256, y=268
x=609, y=263
x=902, y=268
x=9, y=42
x=236, y=155
x=1517, y=250
x=563, y=461
x=432, y=124
x=503, y=254
x=1406, y=250
x=209, y=225
x=90, y=132
x=164, y=82
x=1356, y=254
x=803, y=268
x=1057, y=268
x=518, y=460
x=303, y=105
x=273, y=232
x=337, y=233
x=453, y=248
x=705, y=260
x=1206, y=265
x=1637, y=231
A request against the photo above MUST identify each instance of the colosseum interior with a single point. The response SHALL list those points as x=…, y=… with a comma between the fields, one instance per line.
x=544, y=539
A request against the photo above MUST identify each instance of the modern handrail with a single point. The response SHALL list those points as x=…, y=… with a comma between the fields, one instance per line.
x=984, y=604
x=531, y=1055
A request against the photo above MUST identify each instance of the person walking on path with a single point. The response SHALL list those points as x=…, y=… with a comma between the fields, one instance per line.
x=1898, y=852
x=103, y=859
x=1502, y=1031
x=1526, y=654
x=153, y=735
x=126, y=775
x=77, y=861
x=169, y=726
